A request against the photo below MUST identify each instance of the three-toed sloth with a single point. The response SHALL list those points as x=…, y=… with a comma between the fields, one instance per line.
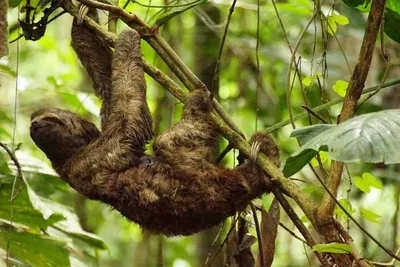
x=176, y=191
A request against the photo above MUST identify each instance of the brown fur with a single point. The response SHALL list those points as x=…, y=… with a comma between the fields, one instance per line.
x=178, y=191
x=96, y=56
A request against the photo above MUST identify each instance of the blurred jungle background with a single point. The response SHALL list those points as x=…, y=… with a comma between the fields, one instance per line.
x=43, y=222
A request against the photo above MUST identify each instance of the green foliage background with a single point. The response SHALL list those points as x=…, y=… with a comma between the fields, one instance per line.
x=43, y=222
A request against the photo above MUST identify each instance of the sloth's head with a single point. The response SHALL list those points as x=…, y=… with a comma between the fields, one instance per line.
x=60, y=134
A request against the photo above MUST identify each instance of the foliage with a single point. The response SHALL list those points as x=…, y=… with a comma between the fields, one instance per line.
x=350, y=141
x=43, y=222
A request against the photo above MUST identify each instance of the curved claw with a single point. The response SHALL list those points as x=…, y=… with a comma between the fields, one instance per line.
x=83, y=10
x=255, y=148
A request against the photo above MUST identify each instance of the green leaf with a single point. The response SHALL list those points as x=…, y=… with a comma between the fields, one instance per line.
x=175, y=12
x=372, y=138
x=26, y=208
x=361, y=5
x=71, y=227
x=34, y=249
x=14, y=3
x=392, y=22
x=331, y=26
x=340, y=87
x=367, y=181
x=4, y=169
x=294, y=164
x=354, y=3
x=371, y=216
x=372, y=180
x=306, y=81
x=307, y=133
x=312, y=189
x=361, y=184
x=337, y=248
x=340, y=19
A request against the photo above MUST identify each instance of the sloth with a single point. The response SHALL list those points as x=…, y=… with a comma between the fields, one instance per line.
x=176, y=191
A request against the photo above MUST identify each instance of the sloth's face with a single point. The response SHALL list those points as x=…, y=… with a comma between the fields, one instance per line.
x=60, y=133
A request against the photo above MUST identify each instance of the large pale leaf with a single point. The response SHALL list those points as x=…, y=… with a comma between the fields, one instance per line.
x=305, y=134
x=372, y=138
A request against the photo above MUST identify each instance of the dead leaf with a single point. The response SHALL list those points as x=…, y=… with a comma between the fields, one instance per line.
x=269, y=231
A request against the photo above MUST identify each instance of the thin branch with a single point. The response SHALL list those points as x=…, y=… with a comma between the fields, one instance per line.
x=216, y=71
x=17, y=165
x=233, y=224
x=292, y=59
x=259, y=237
x=293, y=234
x=316, y=115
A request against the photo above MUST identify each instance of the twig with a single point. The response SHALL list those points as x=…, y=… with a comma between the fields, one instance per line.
x=293, y=234
x=215, y=241
x=216, y=71
x=223, y=153
x=223, y=242
x=259, y=237
x=316, y=115
x=292, y=59
x=19, y=169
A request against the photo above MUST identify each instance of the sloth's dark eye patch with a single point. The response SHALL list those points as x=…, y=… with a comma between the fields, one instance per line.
x=55, y=120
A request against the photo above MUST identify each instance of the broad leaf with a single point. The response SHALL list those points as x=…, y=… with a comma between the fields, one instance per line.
x=26, y=208
x=34, y=249
x=305, y=134
x=392, y=22
x=71, y=227
x=371, y=138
